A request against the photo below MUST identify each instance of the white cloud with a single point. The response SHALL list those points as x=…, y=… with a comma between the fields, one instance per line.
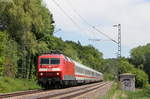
x=133, y=15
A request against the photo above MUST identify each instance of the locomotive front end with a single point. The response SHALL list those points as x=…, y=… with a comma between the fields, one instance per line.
x=49, y=69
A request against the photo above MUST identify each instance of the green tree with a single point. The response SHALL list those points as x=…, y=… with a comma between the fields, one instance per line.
x=8, y=55
x=141, y=77
x=25, y=22
x=2, y=47
x=140, y=57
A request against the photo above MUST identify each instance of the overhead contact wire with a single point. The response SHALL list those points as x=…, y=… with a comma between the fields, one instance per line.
x=93, y=27
x=70, y=18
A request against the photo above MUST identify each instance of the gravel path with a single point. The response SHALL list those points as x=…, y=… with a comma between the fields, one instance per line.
x=96, y=94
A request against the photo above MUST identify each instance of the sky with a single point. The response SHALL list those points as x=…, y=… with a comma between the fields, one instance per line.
x=73, y=17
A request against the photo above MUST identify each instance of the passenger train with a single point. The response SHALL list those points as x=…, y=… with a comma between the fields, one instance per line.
x=56, y=69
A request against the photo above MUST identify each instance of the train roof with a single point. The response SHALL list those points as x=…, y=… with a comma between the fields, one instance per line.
x=52, y=55
x=86, y=67
x=54, y=52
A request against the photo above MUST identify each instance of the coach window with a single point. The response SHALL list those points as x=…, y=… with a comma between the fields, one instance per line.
x=92, y=73
x=44, y=61
x=76, y=68
x=55, y=61
x=88, y=72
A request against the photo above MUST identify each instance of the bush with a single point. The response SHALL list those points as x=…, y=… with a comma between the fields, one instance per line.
x=108, y=76
x=12, y=85
x=141, y=77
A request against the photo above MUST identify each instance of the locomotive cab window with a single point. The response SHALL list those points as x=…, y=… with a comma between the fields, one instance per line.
x=44, y=61
x=55, y=61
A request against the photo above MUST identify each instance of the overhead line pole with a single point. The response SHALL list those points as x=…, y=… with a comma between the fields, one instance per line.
x=119, y=47
x=119, y=40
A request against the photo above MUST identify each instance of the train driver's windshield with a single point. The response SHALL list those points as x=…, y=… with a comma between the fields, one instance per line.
x=55, y=61
x=49, y=61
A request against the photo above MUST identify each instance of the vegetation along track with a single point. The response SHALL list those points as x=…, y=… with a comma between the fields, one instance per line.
x=58, y=93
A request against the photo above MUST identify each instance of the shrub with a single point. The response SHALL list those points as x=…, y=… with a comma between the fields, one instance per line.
x=11, y=85
x=141, y=77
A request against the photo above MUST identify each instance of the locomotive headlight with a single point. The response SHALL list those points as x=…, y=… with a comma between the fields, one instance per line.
x=57, y=73
x=41, y=74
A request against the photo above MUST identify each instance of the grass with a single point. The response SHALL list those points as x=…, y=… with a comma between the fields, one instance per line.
x=140, y=93
x=111, y=92
x=11, y=85
x=116, y=93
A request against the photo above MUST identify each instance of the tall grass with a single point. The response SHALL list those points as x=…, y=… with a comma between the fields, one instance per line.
x=12, y=85
x=111, y=92
x=116, y=93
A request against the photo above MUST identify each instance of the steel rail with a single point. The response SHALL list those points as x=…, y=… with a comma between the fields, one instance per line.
x=7, y=95
x=83, y=92
x=69, y=91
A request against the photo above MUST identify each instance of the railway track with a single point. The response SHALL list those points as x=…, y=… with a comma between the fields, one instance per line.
x=66, y=93
x=7, y=95
x=74, y=93
x=82, y=92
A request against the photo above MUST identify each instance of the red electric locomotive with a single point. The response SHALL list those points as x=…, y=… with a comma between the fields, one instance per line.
x=56, y=69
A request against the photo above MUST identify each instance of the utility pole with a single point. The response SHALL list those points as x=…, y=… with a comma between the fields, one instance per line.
x=119, y=48
x=119, y=39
